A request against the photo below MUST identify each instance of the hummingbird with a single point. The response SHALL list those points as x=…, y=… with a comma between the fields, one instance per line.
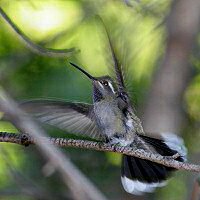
x=111, y=118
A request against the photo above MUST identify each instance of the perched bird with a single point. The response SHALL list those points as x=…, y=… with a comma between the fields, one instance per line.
x=111, y=118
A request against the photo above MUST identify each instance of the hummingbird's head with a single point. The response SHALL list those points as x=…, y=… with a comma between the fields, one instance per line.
x=103, y=87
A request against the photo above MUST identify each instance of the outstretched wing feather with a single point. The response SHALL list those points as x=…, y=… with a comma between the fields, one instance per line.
x=75, y=118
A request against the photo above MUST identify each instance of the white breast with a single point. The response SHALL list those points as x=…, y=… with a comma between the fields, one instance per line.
x=129, y=122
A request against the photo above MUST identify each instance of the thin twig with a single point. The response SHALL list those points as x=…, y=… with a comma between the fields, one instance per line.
x=35, y=47
x=168, y=161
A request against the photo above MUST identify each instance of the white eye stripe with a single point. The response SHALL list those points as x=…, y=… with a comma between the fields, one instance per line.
x=110, y=85
x=100, y=84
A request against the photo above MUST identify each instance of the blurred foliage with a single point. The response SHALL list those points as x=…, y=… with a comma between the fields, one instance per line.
x=138, y=30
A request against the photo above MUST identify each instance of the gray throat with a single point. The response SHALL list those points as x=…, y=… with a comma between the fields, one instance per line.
x=97, y=96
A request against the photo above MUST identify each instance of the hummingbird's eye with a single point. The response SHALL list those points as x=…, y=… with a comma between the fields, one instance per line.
x=104, y=83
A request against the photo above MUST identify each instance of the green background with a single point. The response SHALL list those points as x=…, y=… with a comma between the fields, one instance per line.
x=139, y=32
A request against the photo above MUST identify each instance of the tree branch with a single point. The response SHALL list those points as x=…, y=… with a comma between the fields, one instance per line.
x=168, y=161
x=35, y=47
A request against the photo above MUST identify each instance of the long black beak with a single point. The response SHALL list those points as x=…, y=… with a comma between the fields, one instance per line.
x=83, y=71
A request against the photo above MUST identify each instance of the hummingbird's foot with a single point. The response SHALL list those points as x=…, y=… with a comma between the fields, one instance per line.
x=118, y=139
x=108, y=140
x=175, y=156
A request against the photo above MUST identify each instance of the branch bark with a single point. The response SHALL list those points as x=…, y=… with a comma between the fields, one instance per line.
x=168, y=161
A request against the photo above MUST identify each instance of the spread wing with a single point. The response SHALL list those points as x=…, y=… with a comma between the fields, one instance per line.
x=76, y=118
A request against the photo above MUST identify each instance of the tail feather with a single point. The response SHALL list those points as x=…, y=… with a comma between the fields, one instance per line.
x=139, y=176
x=153, y=173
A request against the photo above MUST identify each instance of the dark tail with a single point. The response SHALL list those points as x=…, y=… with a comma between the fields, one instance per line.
x=140, y=175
